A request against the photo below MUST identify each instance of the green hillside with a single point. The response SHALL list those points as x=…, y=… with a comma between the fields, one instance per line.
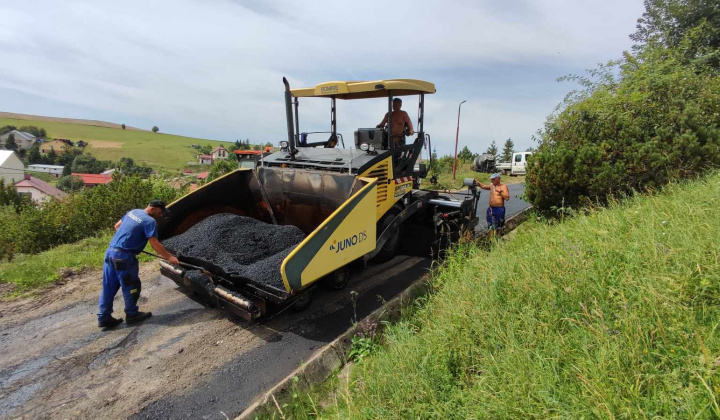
x=159, y=150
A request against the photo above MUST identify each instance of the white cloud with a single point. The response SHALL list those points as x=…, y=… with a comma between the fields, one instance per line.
x=214, y=68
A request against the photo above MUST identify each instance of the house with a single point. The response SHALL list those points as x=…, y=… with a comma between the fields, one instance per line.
x=23, y=140
x=203, y=175
x=58, y=145
x=56, y=170
x=206, y=159
x=38, y=190
x=11, y=167
x=219, y=153
x=93, y=180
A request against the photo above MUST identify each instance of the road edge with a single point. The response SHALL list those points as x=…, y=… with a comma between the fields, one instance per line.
x=333, y=356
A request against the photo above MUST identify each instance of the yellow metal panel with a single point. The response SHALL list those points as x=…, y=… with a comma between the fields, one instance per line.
x=366, y=89
x=348, y=234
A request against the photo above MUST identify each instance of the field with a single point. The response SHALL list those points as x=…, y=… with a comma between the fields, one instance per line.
x=611, y=314
x=160, y=151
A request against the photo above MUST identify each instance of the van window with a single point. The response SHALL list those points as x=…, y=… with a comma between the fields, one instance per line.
x=518, y=158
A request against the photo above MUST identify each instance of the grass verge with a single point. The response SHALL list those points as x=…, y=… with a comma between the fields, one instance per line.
x=30, y=272
x=610, y=314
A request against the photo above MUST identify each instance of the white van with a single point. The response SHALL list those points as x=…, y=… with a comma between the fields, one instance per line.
x=516, y=166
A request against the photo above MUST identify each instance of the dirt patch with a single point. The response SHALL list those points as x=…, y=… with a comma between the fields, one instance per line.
x=103, y=144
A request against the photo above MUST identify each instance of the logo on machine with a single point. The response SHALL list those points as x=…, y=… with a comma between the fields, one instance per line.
x=349, y=242
x=329, y=89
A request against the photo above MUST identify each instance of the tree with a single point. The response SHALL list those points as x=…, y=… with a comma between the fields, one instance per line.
x=88, y=164
x=67, y=170
x=205, y=149
x=220, y=168
x=70, y=183
x=465, y=155
x=6, y=129
x=34, y=155
x=10, y=197
x=35, y=131
x=508, y=150
x=122, y=125
x=51, y=156
x=10, y=143
x=493, y=150
x=155, y=129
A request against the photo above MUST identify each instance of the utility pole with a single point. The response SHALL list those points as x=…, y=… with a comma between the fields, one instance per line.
x=457, y=136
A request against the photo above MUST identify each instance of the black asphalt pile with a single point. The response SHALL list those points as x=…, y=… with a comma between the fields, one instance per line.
x=240, y=247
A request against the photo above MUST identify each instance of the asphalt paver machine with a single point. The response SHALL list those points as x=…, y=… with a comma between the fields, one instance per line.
x=360, y=204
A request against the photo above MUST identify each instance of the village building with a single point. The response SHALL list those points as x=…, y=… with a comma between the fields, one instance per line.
x=93, y=180
x=206, y=159
x=56, y=170
x=58, y=145
x=11, y=167
x=37, y=189
x=23, y=140
x=219, y=153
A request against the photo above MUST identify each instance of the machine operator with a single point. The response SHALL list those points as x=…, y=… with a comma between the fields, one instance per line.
x=121, y=270
x=400, y=120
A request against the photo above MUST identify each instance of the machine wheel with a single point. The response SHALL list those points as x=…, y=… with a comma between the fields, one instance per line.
x=302, y=302
x=338, y=279
x=393, y=243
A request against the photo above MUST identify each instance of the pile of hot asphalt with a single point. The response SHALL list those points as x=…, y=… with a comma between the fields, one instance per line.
x=237, y=246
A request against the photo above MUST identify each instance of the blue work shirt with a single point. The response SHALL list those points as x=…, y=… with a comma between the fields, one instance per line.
x=135, y=230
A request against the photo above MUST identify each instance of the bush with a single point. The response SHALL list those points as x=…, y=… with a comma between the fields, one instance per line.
x=659, y=122
x=70, y=183
x=77, y=216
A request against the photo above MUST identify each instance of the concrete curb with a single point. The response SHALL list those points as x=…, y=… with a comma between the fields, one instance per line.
x=333, y=356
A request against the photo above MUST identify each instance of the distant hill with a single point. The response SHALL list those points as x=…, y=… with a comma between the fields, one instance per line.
x=95, y=123
x=108, y=141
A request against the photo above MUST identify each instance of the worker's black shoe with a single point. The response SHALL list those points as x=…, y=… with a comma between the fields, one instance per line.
x=110, y=322
x=138, y=317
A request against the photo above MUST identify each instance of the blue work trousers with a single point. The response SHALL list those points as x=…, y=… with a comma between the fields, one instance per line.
x=121, y=270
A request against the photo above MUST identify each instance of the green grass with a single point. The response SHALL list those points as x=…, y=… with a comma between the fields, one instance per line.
x=30, y=272
x=613, y=314
x=160, y=151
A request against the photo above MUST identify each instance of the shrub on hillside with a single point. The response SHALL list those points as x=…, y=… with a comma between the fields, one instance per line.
x=659, y=122
x=78, y=216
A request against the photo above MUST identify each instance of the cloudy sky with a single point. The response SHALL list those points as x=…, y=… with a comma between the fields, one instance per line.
x=214, y=68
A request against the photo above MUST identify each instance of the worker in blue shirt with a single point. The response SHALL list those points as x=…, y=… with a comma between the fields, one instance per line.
x=121, y=269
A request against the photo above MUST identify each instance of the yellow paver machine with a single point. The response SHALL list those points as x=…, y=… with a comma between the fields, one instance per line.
x=360, y=204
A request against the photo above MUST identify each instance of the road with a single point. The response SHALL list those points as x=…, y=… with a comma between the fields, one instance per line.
x=187, y=361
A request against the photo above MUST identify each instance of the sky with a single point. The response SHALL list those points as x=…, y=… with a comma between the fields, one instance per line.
x=213, y=68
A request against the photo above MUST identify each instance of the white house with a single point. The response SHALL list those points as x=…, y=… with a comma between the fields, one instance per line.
x=11, y=167
x=38, y=190
x=219, y=153
x=56, y=170
x=23, y=140
x=206, y=159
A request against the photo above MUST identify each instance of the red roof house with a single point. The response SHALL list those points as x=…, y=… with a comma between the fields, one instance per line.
x=202, y=175
x=37, y=189
x=91, y=180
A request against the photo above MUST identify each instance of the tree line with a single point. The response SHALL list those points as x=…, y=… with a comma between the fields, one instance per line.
x=636, y=123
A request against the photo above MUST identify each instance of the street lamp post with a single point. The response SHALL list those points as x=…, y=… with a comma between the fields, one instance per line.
x=457, y=136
